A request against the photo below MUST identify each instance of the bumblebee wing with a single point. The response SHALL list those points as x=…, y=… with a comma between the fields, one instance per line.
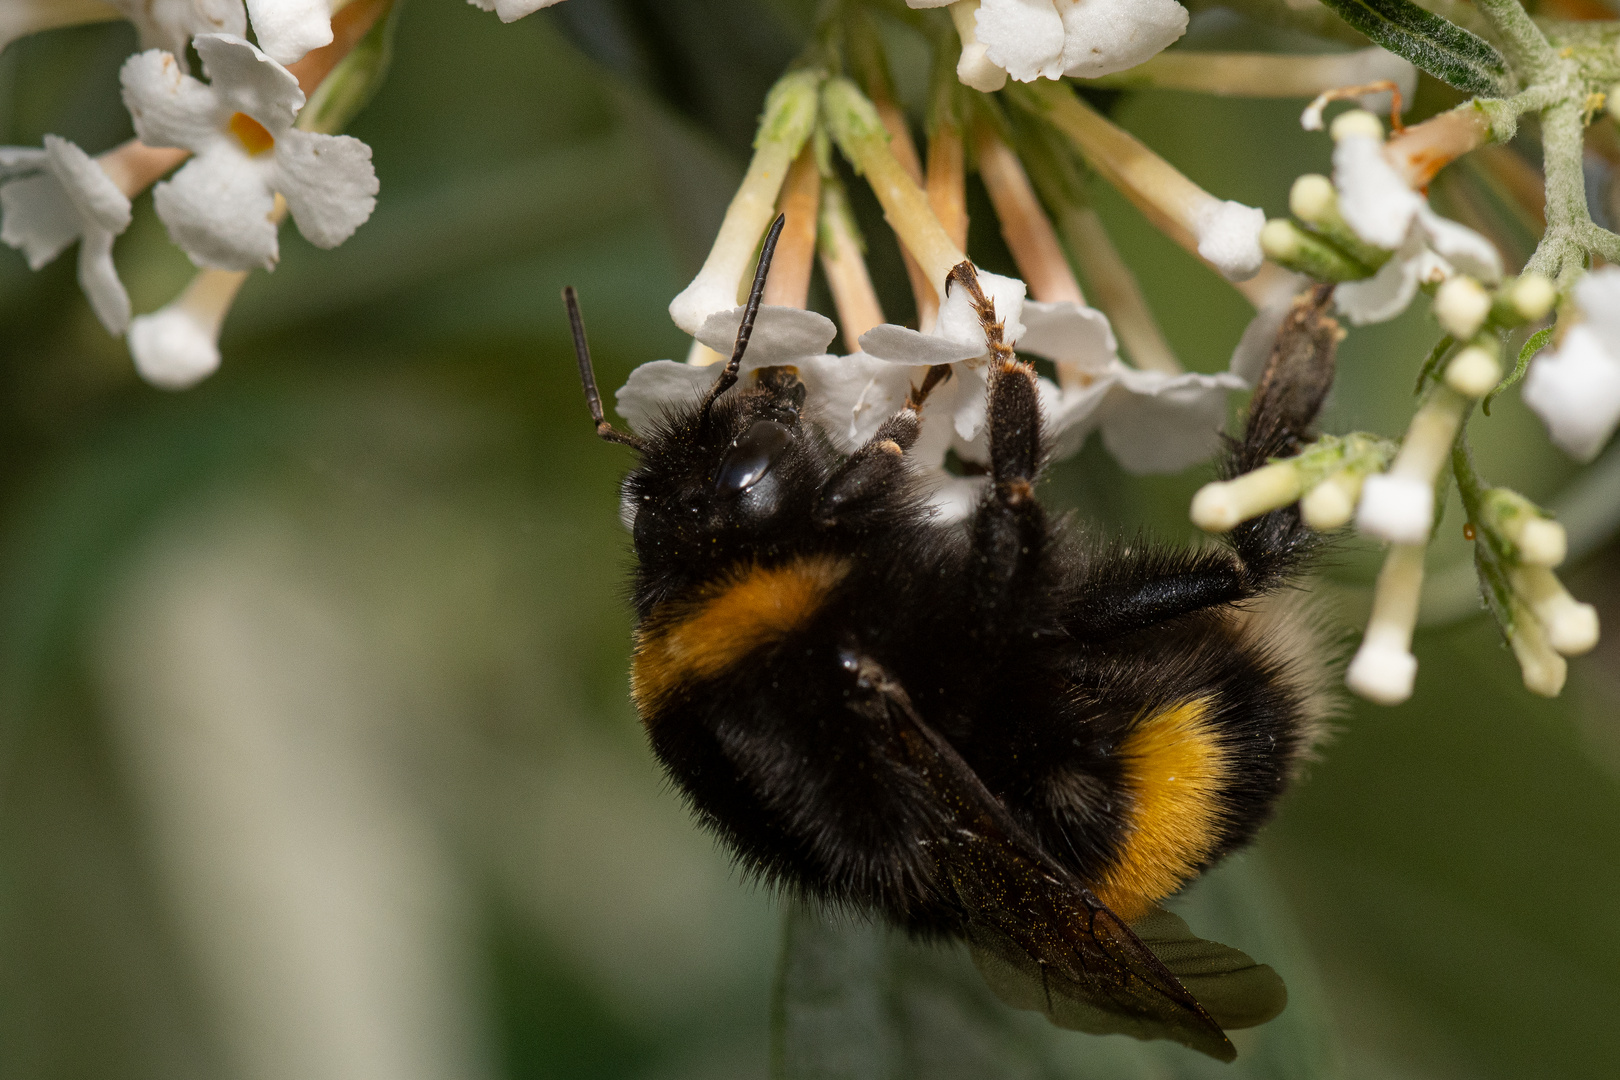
x=1042, y=940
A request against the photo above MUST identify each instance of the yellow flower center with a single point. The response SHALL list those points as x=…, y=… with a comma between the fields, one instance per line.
x=253, y=136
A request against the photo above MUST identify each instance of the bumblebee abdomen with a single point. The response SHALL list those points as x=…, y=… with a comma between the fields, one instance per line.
x=691, y=641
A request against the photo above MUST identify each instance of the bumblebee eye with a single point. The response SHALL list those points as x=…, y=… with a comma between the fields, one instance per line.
x=752, y=455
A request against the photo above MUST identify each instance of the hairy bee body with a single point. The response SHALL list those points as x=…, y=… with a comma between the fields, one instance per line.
x=991, y=730
x=1137, y=758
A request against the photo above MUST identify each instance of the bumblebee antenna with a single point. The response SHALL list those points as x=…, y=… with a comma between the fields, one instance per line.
x=728, y=377
x=587, y=375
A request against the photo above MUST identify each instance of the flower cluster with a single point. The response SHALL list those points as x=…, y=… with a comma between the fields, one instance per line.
x=242, y=143
x=1370, y=232
x=1151, y=415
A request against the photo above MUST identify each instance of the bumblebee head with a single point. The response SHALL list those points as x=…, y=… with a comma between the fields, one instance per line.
x=735, y=474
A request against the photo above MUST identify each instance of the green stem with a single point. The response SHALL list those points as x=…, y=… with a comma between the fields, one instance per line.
x=1561, y=253
x=1525, y=47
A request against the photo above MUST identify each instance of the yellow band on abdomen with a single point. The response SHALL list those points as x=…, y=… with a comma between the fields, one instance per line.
x=694, y=639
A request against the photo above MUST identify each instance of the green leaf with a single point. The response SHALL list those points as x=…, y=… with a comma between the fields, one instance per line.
x=1537, y=342
x=1438, y=46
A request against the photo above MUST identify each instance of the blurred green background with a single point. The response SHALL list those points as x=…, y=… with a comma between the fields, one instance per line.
x=318, y=759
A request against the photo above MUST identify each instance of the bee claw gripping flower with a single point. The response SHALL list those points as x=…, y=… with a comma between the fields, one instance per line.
x=219, y=207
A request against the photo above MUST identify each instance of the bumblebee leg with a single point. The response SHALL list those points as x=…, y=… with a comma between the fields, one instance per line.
x=1137, y=588
x=857, y=492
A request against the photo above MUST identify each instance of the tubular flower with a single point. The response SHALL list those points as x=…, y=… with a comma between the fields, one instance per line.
x=287, y=29
x=1047, y=39
x=512, y=10
x=1576, y=388
x=218, y=207
x=63, y=195
x=177, y=345
x=1383, y=211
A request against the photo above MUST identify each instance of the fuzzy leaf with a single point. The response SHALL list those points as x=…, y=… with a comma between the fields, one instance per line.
x=1438, y=46
x=1537, y=342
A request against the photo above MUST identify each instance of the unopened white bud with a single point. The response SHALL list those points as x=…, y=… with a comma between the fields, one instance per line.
x=1219, y=506
x=1532, y=296
x=1384, y=668
x=1461, y=305
x=177, y=345
x=1332, y=503
x=1571, y=627
x=1397, y=508
x=1356, y=122
x=975, y=68
x=1544, y=671
x=1382, y=673
x=1474, y=372
x=1312, y=199
x=1229, y=237
x=1541, y=542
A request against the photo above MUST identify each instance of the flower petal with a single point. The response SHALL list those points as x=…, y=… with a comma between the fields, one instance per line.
x=657, y=388
x=1068, y=416
x=217, y=209
x=37, y=217
x=1461, y=246
x=849, y=396
x=246, y=80
x=172, y=348
x=329, y=183
x=1576, y=392
x=1069, y=333
x=782, y=335
x=902, y=345
x=1376, y=203
x=98, y=277
x=171, y=24
x=1254, y=347
x=1382, y=296
x=169, y=107
x=287, y=29
x=1159, y=423
x=1101, y=37
x=1598, y=295
x=1025, y=37
x=20, y=161
x=93, y=192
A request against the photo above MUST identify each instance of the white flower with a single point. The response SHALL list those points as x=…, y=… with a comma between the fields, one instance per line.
x=1047, y=39
x=1397, y=508
x=287, y=29
x=512, y=10
x=1576, y=389
x=178, y=345
x=1383, y=211
x=219, y=207
x=63, y=196
x=171, y=24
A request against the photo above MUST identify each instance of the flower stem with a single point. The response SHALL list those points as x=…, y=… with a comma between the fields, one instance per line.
x=1024, y=225
x=1266, y=75
x=1570, y=232
x=789, y=281
x=845, y=266
x=134, y=166
x=1523, y=44
x=858, y=130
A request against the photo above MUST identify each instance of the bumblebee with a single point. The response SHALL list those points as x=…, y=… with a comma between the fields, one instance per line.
x=999, y=732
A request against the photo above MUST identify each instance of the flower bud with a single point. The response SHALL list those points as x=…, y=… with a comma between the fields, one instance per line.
x=1537, y=540
x=1397, y=508
x=1332, y=503
x=1219, y=506
x=1287, y=244
x=178, y=345
x=1571, y=627
x=1356, y=122
x=1527, y=298
x=1461, y=305
x=1474, y=372
x=1544, y=671
x=1384, y=668
x=1313, y=200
